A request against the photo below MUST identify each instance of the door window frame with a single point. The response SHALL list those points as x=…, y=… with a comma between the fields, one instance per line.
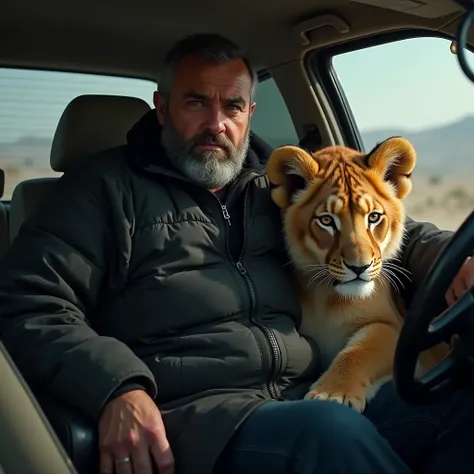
x=319, y=65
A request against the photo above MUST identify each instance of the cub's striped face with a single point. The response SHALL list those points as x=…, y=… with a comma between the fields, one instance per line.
x=350, y=235
x=343, y=211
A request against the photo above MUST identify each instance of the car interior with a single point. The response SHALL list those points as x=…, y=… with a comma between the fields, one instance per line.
x=53, y=56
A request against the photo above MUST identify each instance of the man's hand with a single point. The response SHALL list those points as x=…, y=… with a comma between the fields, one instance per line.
x=462, y=282
x=131, y=427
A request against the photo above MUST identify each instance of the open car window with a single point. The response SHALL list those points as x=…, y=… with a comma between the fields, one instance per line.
x=415, y=88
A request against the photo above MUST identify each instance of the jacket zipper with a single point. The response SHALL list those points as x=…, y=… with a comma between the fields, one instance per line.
x=268, y=334
x=226, y=214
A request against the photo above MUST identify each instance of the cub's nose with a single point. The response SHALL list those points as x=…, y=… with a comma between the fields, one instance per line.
x=357, y=269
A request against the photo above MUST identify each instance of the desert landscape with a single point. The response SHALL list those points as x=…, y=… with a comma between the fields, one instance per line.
x=443, y=183
x=26, y=158
x=443, y=190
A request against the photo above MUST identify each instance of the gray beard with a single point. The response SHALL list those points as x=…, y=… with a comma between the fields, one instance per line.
x=212, y=168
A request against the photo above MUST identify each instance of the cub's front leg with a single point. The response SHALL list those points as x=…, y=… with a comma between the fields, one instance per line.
x=360, y=368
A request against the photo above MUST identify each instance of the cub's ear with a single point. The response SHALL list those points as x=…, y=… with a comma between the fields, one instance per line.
x=289, y=169
x=394, y=159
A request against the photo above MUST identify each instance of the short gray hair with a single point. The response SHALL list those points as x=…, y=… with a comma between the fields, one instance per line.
x=208, y=46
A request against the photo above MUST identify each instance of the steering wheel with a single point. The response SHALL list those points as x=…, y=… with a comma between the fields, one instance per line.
x=455, y=324
x=421, y=331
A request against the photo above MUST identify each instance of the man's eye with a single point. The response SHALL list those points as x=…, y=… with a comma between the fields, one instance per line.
x=195, y=103
x=233, y=107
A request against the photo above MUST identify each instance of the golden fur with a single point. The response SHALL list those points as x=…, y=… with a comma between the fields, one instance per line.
x=343, y=215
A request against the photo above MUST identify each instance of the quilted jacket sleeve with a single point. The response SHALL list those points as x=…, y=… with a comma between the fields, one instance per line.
x=49, y=284
x=424, y=243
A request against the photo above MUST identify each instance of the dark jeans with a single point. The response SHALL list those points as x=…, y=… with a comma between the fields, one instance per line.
x=312, y=436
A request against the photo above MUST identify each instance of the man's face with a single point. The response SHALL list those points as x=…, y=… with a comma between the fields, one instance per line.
x=206, y=120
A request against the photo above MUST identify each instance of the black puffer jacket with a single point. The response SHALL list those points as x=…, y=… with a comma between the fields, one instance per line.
x=130, y=273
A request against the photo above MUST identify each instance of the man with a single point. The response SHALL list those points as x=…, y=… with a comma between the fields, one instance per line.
x=150, y=292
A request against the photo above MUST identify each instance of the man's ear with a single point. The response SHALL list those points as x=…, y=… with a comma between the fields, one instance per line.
x=160, y=105
x=289, y=169
x=252, y=108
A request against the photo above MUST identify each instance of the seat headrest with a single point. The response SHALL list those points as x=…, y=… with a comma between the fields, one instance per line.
x=91, y=124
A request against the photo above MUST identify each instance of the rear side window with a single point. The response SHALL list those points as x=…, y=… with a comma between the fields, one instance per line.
x=31, y=103
x=271, y=119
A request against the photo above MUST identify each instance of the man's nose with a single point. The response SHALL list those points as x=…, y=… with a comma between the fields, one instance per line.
x=216, y=121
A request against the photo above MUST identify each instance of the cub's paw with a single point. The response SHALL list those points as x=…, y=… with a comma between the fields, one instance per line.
x=354, y=395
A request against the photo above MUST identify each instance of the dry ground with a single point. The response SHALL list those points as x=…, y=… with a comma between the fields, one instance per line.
x=445, y=200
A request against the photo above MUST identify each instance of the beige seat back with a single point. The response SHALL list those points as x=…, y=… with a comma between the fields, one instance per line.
x=89, y=124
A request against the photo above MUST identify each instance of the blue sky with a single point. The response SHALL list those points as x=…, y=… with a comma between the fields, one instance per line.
x=412, y=84
x=415, y=83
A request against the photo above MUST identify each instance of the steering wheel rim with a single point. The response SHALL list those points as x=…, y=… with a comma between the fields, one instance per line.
x=461, y=40
x=421, y=330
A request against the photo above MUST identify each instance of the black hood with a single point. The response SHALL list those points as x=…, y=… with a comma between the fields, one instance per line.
x=147, y=153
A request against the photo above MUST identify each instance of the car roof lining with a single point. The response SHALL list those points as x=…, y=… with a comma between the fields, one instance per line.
x=118, y=37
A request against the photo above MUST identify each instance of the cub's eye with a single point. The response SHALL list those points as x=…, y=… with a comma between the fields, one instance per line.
x=326, y=220
x=374, y=217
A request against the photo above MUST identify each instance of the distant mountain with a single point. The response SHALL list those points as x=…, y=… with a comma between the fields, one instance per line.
x=27, y=151
x=439, y=149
